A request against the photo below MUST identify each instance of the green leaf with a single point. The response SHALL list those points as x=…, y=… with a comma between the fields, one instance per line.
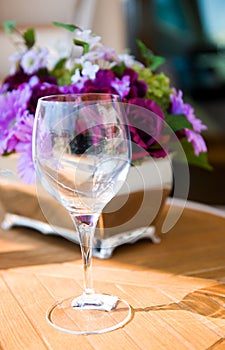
x=201, y=160
x=69, y=27
x=64, y=78
x=178, y=122
x=151, y=60
x=119, y=69
x=157, y=61
x=83, y=44
x=29, y=37
x=43, y=72
x=60, y=64
x=62, y=75
x=9, y=26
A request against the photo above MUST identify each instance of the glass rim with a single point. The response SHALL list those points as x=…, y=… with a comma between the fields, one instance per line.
x=71, y=97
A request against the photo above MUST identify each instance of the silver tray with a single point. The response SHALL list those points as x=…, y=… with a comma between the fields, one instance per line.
x=102, y=248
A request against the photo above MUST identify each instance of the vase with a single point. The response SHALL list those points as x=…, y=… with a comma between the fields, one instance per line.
x=131, y=215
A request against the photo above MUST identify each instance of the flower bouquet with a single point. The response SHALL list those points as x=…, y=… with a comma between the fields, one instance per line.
x=89, y=66
x=85, y=66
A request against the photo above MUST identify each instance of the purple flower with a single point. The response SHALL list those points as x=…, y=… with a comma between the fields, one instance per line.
x=24, y=129
x=12, y=82
x=40, y=90
x=197, y=141
x=102, y=82
x=179, y=107
x=122, y=86
x=23, y=133
x=146, y=128
x=12, y=106
x=69, y=89
x=138, y=88
x=25, y=165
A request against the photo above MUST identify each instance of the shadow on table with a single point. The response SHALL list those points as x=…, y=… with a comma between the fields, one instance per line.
x=208, y=302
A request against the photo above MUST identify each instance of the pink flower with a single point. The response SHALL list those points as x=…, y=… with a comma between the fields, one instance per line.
x=179, y=107
x=194, y=137
x=122, y=86
x=197, y=141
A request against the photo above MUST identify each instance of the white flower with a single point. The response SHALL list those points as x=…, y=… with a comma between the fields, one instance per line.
x=76, y=76
x=129, y=60
x=42, y=55
x=69, y=63
x=29, y=62
x=58, y=49
x=106, y=64
x=78, y=79
x=88, y=37
x=90, y=69
x=102, y=53
x=34, y=59
x=15, y=60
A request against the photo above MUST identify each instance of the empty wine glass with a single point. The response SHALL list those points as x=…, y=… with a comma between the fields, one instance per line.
x=81, y=152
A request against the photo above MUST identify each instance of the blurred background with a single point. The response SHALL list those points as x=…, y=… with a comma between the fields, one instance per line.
x=189, y=33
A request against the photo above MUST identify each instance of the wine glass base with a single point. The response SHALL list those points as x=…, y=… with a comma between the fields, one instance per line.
x=83, y=320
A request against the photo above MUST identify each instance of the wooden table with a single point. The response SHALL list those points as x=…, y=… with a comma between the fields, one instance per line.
x=176, y=288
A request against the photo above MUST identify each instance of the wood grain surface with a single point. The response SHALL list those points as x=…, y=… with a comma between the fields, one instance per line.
x=176, y=288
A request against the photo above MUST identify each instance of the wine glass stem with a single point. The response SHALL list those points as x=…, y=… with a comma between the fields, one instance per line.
x=85, y=226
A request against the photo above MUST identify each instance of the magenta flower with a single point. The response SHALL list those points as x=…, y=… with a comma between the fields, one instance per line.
x=138, y=88
x=146, y=123
x=13, y=82
x=41, y=90
x=102, y=82
x=69, y=89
